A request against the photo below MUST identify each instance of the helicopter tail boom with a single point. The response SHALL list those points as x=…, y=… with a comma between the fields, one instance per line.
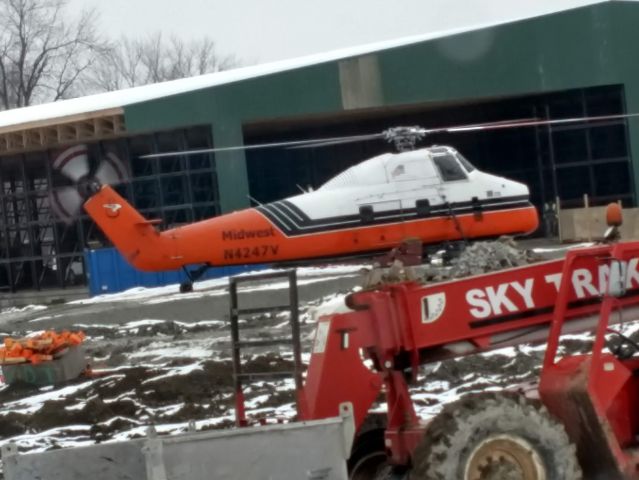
x=134, y=236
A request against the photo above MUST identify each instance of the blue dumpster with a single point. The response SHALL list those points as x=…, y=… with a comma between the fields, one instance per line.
x=109, y=272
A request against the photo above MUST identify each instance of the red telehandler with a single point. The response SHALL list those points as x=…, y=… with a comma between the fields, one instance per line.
x=585, y=423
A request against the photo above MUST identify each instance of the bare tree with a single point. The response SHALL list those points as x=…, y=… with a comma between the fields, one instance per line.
x=44, y=54
x=156, y=59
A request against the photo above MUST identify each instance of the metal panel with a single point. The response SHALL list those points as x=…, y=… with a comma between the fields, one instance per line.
x=116, y=461
x=298, y=451
x=360, y=82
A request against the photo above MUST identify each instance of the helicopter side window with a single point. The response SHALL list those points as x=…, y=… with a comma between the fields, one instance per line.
x=448, y=168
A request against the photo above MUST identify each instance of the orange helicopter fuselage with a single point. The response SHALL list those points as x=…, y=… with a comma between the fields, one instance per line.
x=250, y=237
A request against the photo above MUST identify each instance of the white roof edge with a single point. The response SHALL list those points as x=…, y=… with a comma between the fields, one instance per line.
x=122, y=98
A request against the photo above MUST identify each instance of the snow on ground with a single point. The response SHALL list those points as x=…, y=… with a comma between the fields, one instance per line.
x=157, y=372
x=170, y=374
x=169, y=380
x=332, y=304
x=135, y=327
x=26, y=308
x=33, y=403
x=159, y=351
x=218, y=286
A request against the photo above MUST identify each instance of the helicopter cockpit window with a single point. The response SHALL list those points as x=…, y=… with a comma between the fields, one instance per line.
x=465, y=163
x=448, y=168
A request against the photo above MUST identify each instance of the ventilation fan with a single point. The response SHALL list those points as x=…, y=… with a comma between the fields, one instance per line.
x=73, y=163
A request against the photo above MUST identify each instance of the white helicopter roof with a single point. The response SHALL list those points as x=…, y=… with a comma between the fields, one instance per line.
x=369, y=172
x=378, y=170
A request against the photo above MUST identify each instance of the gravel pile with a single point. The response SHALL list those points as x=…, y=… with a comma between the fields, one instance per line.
x=482, y=257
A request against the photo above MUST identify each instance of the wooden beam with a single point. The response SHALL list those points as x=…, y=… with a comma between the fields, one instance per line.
x=14, y=141
x=84, y=129
x=31, y=138
x=54, y=136
x=66, y=133
x=118, y=124
x=50, y=136
x=61, y=120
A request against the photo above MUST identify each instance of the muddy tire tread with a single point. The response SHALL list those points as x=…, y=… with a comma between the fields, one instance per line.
x=448, y=437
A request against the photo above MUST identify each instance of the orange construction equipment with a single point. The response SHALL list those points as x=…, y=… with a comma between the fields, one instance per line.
x=39, y=348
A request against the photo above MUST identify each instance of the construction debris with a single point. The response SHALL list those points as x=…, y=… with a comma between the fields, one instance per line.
x=481, y=257
x=474, y=259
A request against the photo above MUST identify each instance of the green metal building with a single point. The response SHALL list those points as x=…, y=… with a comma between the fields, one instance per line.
x=573, y=63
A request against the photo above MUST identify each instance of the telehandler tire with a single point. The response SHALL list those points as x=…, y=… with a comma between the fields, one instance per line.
x=368, y=455
x=495, y=436
x=368, y=459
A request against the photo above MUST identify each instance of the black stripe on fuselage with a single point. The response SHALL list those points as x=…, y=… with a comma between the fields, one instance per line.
x=292, y=221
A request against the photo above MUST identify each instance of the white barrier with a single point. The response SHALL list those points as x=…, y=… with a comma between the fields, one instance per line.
x=587, y=224
x=314, y=450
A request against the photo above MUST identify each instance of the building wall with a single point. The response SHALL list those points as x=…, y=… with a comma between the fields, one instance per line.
x=226, y=108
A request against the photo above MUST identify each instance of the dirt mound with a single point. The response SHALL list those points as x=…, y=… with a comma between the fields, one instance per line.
x=135, y=396
x=482, y=257
x=168, y=373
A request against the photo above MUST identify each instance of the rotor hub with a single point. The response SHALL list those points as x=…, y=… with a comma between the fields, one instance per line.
x=404, y=138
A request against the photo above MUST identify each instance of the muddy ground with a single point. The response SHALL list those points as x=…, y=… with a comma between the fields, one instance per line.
x=142, y=380
x=164, y=360
x=160, y=358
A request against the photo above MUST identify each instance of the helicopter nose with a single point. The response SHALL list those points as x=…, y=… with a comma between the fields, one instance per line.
x=513, y=188
x=504, y=187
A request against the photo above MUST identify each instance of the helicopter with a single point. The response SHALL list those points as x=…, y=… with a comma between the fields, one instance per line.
x=433, y=194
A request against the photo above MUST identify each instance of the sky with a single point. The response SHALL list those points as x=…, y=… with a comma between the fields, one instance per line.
x=258, y=31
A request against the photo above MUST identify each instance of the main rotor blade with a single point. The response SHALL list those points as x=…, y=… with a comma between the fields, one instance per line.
x=532, y=123
x=298, y=144
x=514, y=121
x=243, y=147
x=338, y=141
x=321, y=142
